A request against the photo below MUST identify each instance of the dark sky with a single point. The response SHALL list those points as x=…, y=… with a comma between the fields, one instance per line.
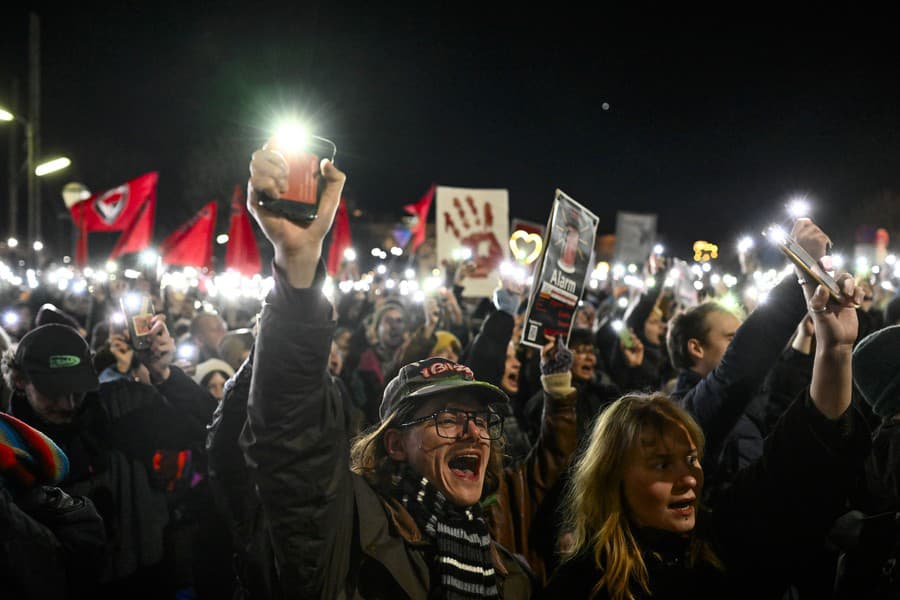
x=711, y=125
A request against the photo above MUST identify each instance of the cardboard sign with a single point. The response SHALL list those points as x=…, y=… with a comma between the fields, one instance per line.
x=477, y=220
x=565, y=266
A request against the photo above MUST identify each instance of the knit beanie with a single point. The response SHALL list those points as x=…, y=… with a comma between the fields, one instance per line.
x=390, y=304
x=28, y=458
x=446, y=340
x=876, y=370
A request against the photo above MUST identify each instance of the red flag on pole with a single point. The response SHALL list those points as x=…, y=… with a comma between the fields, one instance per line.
x=191, y=244
x=420, y=210
x=242, y=254
x=139, y=235
x=115, y=209
x=340, y=238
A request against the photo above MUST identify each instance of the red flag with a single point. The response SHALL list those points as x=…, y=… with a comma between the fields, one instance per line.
x=242, y=254
x=139, y=235
x=420, y=210
x=340, y=238
x=191, y=244
x=115, y=209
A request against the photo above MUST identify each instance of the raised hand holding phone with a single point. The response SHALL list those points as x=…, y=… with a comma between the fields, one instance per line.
x=297, y=246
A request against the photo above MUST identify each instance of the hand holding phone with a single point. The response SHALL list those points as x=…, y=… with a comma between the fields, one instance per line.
x=804, y=261
x=138, y=310
x=300, y=202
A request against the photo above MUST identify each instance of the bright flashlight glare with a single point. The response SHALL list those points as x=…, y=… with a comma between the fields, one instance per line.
x=798, y=207
x=186, y=351
x=463, y=253
x=623, y=302
x=837, y=261
x=133, y=302
x=349, y=254
x=777, y=234
x=5, y=115
x=12, y=242
x=111, y=266
x=745, y=244
x=618, y=326
x=118, y=318
x=409, y=273
x=10, y=319
x=658, y=249
x=397, y=251
x=292, y=136
x=222, y=239
x=38, y=246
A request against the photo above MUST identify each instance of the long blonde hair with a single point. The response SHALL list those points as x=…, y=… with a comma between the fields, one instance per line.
x=595, y=504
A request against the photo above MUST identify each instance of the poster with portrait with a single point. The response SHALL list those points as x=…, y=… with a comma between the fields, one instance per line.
x=477, y=220
x=565, y=266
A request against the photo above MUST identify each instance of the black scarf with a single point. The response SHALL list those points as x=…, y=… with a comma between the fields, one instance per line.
x=461, y=566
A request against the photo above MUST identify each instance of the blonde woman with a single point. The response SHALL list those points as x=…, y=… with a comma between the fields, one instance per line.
x=639, y=531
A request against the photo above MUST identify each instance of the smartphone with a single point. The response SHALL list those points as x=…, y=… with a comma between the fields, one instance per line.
x=300, y=203
x=801, y=258
x=626, y=338
x=138, y=310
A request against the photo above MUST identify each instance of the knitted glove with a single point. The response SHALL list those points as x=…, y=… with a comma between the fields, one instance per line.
x=506, y=301
x=559, y=360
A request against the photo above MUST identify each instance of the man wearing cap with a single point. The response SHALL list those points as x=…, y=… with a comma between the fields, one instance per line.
x=401, y=514
x=110, y=433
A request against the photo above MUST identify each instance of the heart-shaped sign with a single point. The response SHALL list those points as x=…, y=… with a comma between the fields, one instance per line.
x=525, y=246
x=110, y=205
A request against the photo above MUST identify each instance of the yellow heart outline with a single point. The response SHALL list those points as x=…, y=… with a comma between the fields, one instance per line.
x=526, y=237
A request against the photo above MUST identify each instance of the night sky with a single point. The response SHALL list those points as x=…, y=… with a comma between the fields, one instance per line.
x=711, y=125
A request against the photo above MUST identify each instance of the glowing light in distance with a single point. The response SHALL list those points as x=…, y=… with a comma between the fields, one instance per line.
x=623, y=302
x=381, y=269
x=148, y=258
x=632, y=268
x=118, y=318
x=51, y=166
x=38, y=246
x=12, y=242
x=349, y=254
x=729, y=302
x=222, y=239
x=346, y=286
x=715, y=279
x=729, y=280
x=706, y=267
x=461, y=253
x=837, y=261
x=186, y=351
x=5, y=115
x=10, y=319
x=397, y=251
x=876, y=269
x=890, y=259
x=658, y=249
x=617, y=326
x=111, y=266
x=132, y=274
x=418, y=296
x=745, y=244
x=409, y=273
x=698, y=285
x=618, y=270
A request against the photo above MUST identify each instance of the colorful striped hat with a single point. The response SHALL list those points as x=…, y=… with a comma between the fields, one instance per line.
x=28, y=457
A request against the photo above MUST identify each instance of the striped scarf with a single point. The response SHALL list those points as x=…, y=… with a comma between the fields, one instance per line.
x=461, y=567
x=28, y=457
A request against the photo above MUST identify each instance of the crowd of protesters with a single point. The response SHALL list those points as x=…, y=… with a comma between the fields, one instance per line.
x=359, y=444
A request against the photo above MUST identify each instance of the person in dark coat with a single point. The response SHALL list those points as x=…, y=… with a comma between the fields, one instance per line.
x=51, y=544
x=111, y=433
x=640, y=528
x=417, y=516
x=722, y=363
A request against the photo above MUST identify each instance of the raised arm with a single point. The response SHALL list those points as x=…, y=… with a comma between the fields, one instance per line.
x=295, y=440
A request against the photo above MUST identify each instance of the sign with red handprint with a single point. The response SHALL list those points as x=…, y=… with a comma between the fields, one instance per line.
x=562, y=273
x=478, y=221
